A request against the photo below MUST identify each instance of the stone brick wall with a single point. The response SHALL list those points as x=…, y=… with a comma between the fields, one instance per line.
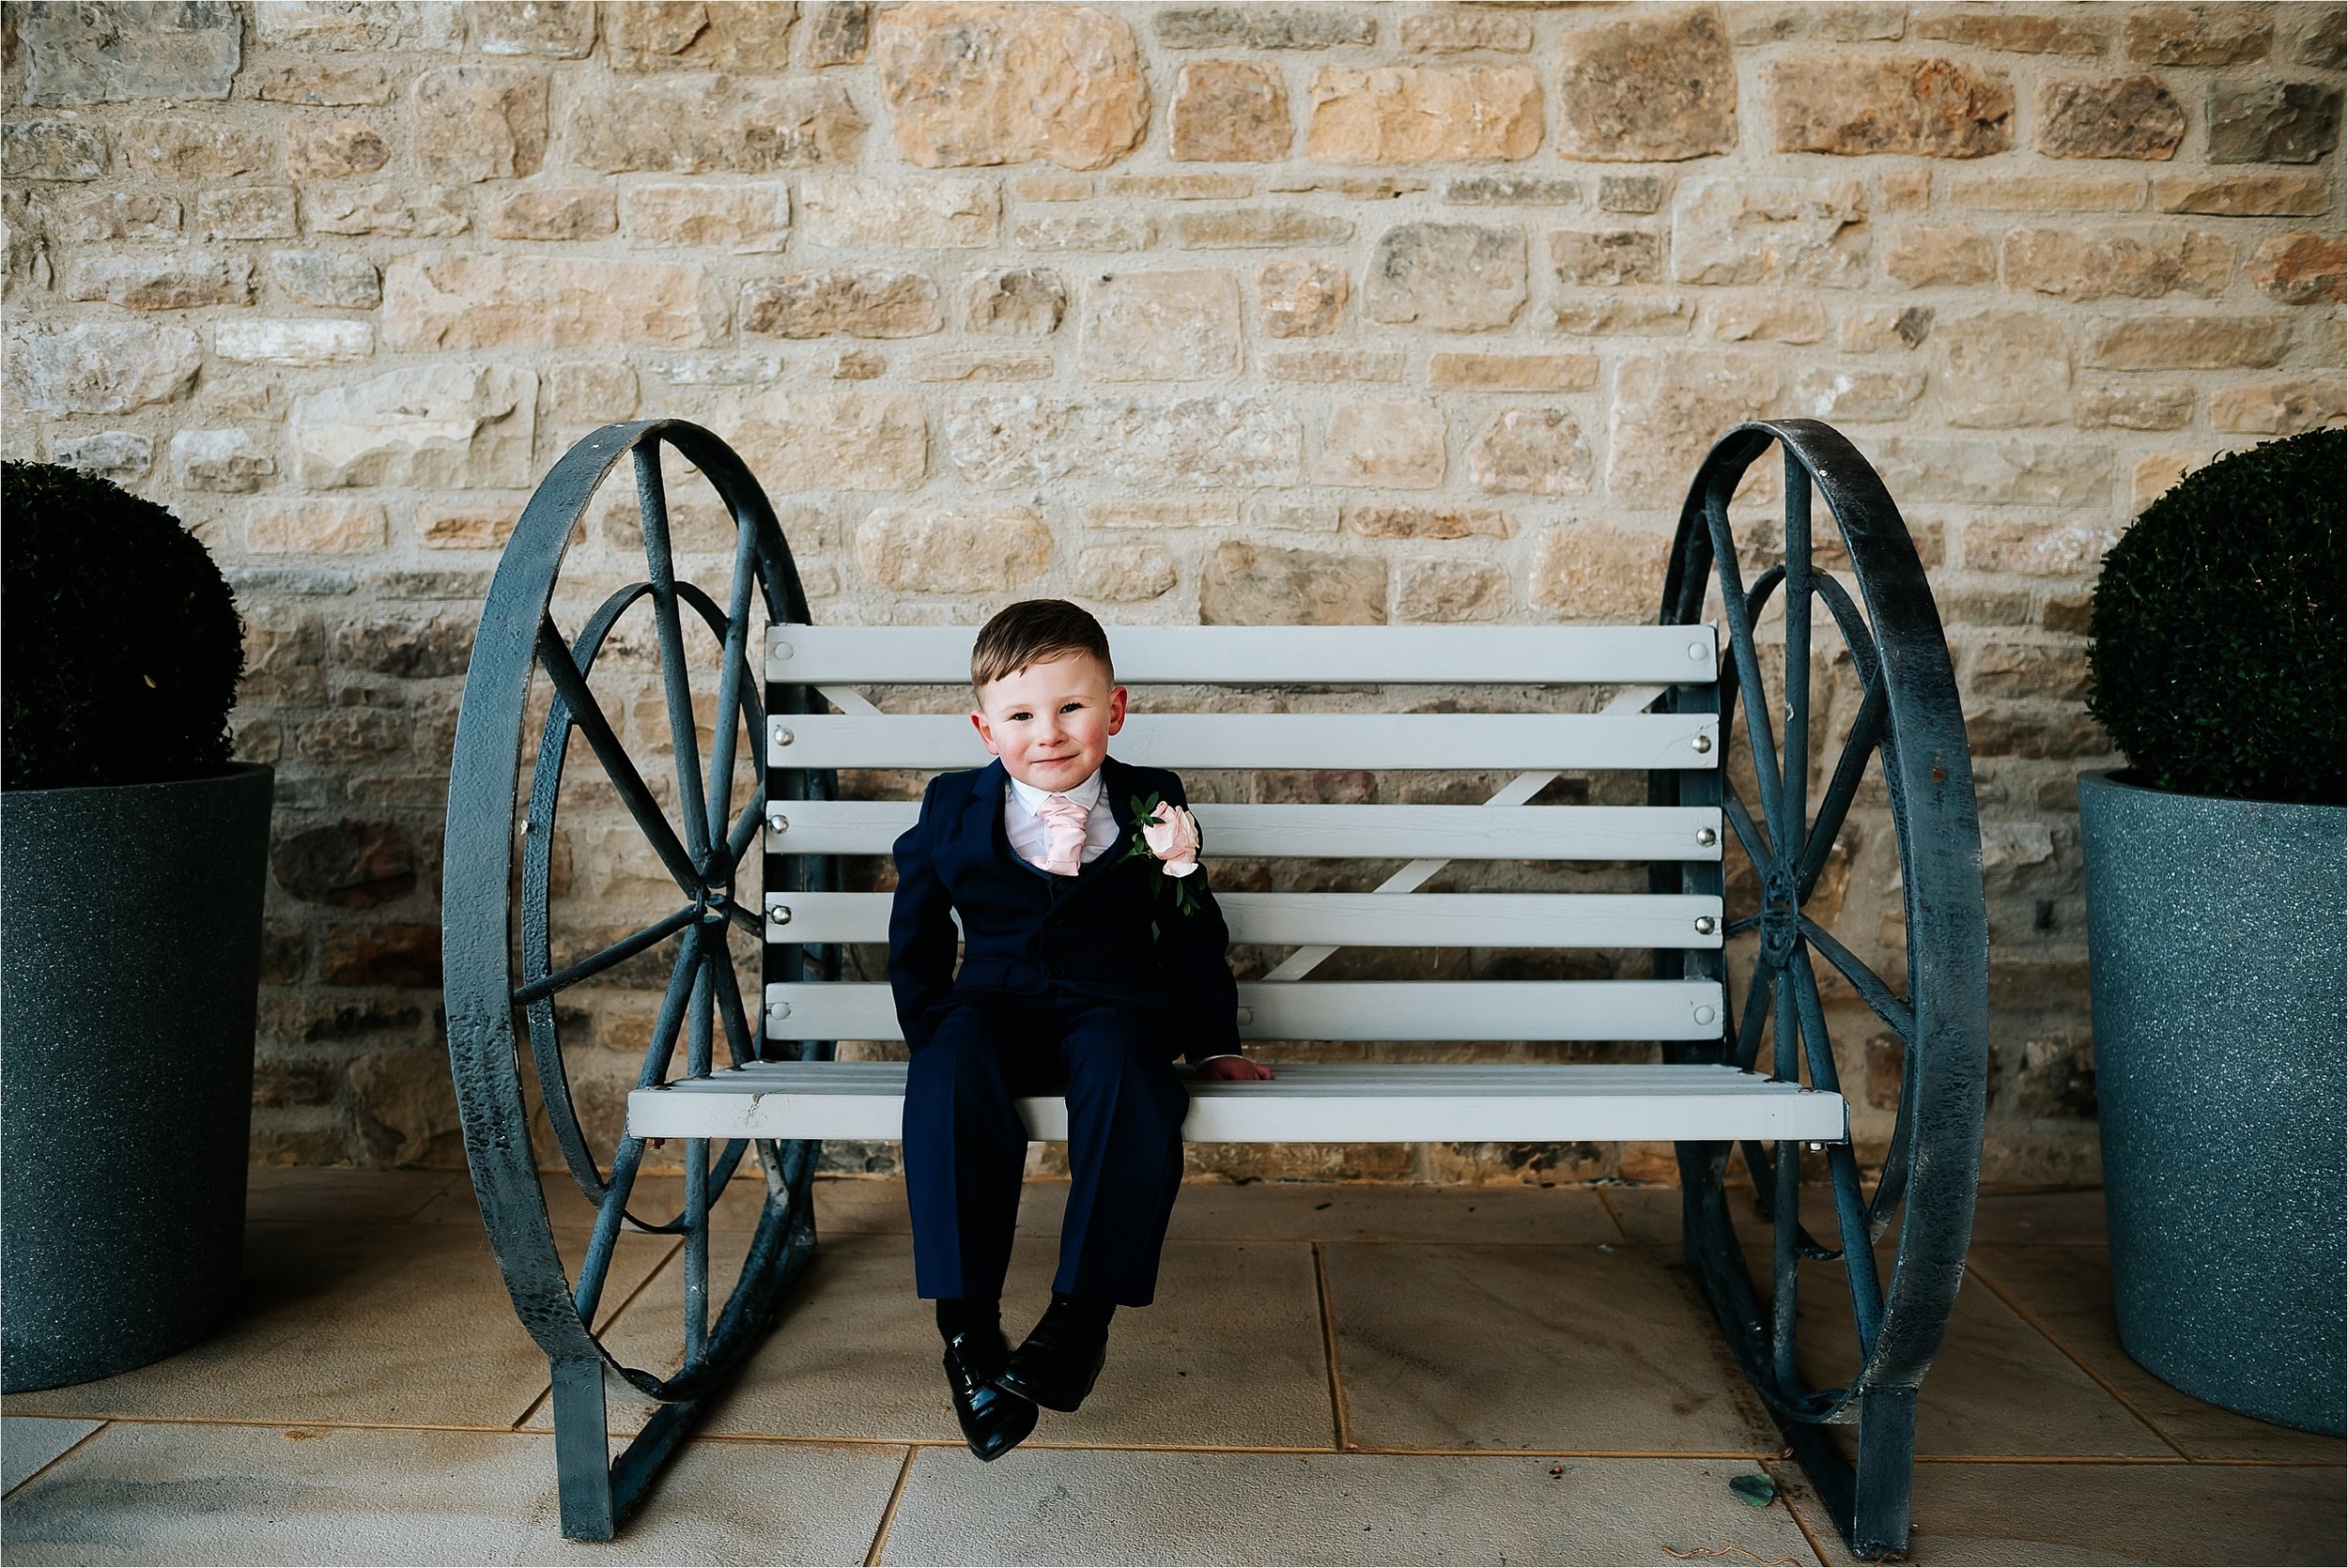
x=1227, y=312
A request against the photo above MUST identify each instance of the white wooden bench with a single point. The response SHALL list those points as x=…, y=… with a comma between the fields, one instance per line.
x=1742, y=1071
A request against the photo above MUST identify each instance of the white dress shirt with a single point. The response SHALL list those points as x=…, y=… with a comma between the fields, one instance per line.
x=1030, y=835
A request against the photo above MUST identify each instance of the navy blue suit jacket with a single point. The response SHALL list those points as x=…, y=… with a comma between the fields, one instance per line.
x=1111, y=931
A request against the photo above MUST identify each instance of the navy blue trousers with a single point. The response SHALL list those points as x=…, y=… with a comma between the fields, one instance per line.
x=965, y=1147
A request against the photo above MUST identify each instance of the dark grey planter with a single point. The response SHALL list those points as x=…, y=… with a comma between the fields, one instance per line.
x=129, y=956
x=2215, y=931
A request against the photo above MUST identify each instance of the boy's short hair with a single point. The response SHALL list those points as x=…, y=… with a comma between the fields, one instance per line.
x=1033, y=631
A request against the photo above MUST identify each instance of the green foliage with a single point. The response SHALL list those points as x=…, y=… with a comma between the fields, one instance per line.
x=120, y=639
x=2219, y=625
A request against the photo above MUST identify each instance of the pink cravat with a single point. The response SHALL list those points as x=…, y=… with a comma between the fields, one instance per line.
x=1065, y=819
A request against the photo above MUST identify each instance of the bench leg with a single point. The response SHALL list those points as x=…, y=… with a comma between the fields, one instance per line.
x=1887, y=1468
x=583, y=1463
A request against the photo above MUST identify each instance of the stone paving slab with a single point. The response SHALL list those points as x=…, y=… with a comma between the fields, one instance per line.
x=391, y=1324
x=1035, y=1506
x=29, y=1442
x=296, y=1193
x=1578, y=1349
x=141, y=1493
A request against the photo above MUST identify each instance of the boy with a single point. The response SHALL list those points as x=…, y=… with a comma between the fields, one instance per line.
x=1091, y=955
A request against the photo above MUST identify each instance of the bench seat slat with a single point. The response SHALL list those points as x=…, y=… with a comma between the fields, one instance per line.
x=1346, y=1011
x=1259, y=655
x=1356, y=919
x=1328, y=832
x=1515, y=742
x=1312, y=1102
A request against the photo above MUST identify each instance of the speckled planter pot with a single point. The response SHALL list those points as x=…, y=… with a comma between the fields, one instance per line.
x=2214, y=953
x=129, y=956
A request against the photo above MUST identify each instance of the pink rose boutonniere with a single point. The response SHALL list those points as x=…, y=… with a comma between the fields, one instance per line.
x=1168, y=835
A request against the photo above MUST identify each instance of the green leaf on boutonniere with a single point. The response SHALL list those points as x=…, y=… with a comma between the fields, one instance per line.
x=1145, y=808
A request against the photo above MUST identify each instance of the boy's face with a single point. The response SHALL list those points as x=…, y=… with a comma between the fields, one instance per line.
x=1050, y=722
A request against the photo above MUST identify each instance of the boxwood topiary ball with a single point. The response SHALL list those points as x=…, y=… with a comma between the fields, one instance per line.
x=2220, y=623
x=121, y=639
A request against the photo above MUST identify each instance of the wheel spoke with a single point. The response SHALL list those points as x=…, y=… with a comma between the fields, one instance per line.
x=741, y=1043
x=1757, y=993
x=1886, y=1002
x=1736, y=608
x=676, y=682
x=1794, y=798
x=696, y=1251
x=619, y=952
x=670, y=1018
x=595, y=1266
x=1834, y=806
x=571, y=686
x=1749, y=834
x=730, y=679
x=1859, y=1262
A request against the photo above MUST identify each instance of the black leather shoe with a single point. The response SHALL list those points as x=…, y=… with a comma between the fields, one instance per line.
x=994, y=1421
x=1056, y=1364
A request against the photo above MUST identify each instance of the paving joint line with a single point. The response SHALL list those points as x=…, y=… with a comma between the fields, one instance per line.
x=889, y=1514
x=1341, y=1418
x=60, y=1457
x=612, y=1317
x=1972, y=1267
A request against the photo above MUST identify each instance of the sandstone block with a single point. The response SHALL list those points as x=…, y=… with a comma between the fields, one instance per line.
x=2119, y=117
x=1229, y=111
x=381, y=24
x=2102, y=264
x=1087, y=231
x=1531, y=452
x=939, y=213
x=252, y=212
x=2133, y=406
x=700, y=35
x=980, y=83
x=480, y=122
x=465, y=528
x=307, y=341
x=2243, y=196
x=565, y=30
x=433, y=213
x=188, y=48
x=1452, y=277
x=2001, y=369
x=1018, y=302
x=1658, y=85
x=1607, y=258
x=52, y=149
x=1459, y=371
x=1424, y=115
x=997, y=365
x=1335, y=364
x=1259, y=228
x=2198, y=35
x=2189, y=342
x=1768, y=318
x=2048, y=192
x=2315, y=36
x=116, y=453
x=1620, y=317
x=850, y=439
x=224, y=460
x=1668, y=410
x=398, y=954
x=2278, y=407
x=1189, y=186
x=1996, y=473
x=1289, y=516
x=1249, y=585
x=1464, y=29
x=488, y=302
x=1300, y=299
x=1763, y=230
x=1874, y=103
x=860, y=301
x=1395, y=446
x=839, y=33
x=1512, y=189
x=1195, y=443
x=1161, y=513
x=2082, y=33
x=1255, y=26
x=1450, y=592
x=1927, y=256
x=1765, y=23
x=116, y=216
x=555, y=212
x=328, y=279
x=169, y=283
x=1161, y=327
x=593, y=390
x=1124, y=573
x=2300, y=268
x=316, y=527
x=2157, y=475
x=741, y=220
x=2267, y=121
x=325, y=82
x=97, y=367
x=2038, y=549
x=438, y=426
x=1598, y=573
x=1386, y=520
x=941, y=550
x=701, y=124
x=1858, y=396
x=1884, y=330
x=189, y=149
x=334, y=149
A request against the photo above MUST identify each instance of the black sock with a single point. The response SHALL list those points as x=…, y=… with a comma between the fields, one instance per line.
x=960, y=1313
x=1087, y=1311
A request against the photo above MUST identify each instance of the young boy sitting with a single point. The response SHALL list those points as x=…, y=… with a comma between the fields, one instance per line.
x=1092, y=955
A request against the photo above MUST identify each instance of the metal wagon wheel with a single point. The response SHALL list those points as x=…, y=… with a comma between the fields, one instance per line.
x=501, y=982
x=1901, y=753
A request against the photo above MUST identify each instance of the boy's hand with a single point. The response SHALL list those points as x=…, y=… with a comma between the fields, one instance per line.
x=1236, y=1068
